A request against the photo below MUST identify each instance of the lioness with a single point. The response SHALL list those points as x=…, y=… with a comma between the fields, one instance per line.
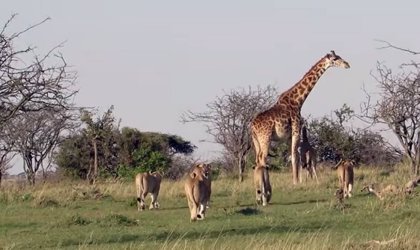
x=345, y=176
x=148, y=183
x=198, y=190
x=262, y=185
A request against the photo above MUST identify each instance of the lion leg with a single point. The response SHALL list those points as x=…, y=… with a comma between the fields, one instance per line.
x=139, y=204
x=350, y=189
x=264, y=200
x=201, y=211
x=194, y=209
x=153, y=202
x=142, y=200
x=258, y=197
x=346, y=191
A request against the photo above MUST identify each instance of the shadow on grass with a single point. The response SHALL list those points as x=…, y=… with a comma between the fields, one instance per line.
x=168, y=236
x=300, y=202
x=248, y=211
x=173, y=208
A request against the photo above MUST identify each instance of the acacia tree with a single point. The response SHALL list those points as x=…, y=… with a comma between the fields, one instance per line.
x=398, y=106
x=228, y=118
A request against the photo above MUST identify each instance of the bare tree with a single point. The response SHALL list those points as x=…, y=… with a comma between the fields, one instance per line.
x=398, y=105
x=33, y=89
x=36, y=134
x=227, y=119
x=6, y=152
x=31, y=84
x=6, y=156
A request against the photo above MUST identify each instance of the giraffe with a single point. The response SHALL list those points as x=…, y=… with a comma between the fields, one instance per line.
x=307, y=156
x=283, y=119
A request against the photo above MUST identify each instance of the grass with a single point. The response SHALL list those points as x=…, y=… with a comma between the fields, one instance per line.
x=73, y=215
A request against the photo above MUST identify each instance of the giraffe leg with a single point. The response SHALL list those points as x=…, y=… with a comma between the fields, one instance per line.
x=257, y=147
x=261, y=143
x=264, y=147
x=294, y=151
x=313, y=166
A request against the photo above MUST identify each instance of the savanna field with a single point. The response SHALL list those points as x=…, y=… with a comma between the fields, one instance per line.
x=74, y=215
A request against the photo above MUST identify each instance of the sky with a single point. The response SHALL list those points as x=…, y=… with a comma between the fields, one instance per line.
x=154, y=60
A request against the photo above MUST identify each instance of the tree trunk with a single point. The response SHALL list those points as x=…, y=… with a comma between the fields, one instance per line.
x=30, y=176
x=416, y=169
x=241, y=167
x=95, y=161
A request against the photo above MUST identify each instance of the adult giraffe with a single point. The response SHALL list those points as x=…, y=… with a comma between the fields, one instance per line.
x=284, y=119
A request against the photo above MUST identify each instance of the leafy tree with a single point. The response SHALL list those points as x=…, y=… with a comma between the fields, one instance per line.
x=333, y=140
x=121, y=153
x=130, y=141
x=74, y=155
x=148, y=160
x=150, y=151
x=100, y=132
x=227, y=119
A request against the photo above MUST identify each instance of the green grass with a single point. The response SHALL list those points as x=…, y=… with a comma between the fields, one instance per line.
x=72, y=215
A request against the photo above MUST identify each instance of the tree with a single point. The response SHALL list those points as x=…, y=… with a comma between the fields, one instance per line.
x=333, y=140
x=151, y=151
x=398, y=105
x=6, y=152
x=5, y=158
x=30, y=82
x=36, y=134
x=227, y=119
x=73, y=156
x=98, y=131
x=43, y=82
x=121, y=153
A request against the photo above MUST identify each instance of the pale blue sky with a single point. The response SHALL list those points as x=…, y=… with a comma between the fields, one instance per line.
x=154, y=60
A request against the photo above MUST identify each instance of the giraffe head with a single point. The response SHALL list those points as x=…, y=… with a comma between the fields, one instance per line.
x=333, y=60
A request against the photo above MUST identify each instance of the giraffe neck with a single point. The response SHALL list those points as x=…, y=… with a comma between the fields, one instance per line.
x=300, y=91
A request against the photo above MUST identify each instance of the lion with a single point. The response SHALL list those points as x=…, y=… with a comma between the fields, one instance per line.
x=262, y=185
x=207, y=181
x=345, y=176
x=198, y=190
x=389, y=190
x=148, y=182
